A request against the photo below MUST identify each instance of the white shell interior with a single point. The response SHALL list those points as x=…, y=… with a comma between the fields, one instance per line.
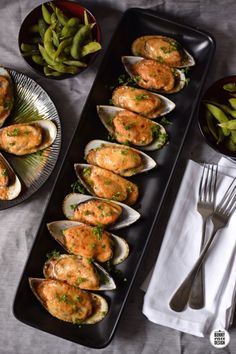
x=128, y=61
x=148, y=161
x=56, y=229
x=106, y=112
x=128, y=217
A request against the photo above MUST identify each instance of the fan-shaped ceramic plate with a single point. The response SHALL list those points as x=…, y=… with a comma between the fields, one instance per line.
x=31, y=103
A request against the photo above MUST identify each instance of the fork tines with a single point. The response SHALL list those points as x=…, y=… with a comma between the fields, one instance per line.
x=207, y=185
x=227, y=204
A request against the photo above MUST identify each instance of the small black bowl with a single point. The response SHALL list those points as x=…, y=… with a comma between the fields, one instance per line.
x=70, y=9
x=215, y=93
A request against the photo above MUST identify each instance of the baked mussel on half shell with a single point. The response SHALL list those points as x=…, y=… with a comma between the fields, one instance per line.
x=79, y=272
x=163, y=49
x=96, y=211
x=91, y=242
x=148, y=104
x=130, y=128
x=6, y=95
x=120, y=159
x=10, y=185
x=69, y=303
x=27, y=138
x=106, y=184
x=153, y=75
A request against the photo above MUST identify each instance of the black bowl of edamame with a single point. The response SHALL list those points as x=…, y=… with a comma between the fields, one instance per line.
x=217, y=116
x=59, y=39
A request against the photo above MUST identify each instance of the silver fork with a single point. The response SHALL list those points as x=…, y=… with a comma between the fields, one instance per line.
x=219, y=218
x=205, y=207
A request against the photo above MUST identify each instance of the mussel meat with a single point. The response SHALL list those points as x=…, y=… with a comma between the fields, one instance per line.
x=98, y=212
x=27, y=138
x=68, y=303
x=148, y=104
x=90, y=242
x=6, y=95
x=106, y=184
x=122, y=160
x=78, y=271
x=152, y=75
x=10, y=186
x=163, y=49
x=131, y=128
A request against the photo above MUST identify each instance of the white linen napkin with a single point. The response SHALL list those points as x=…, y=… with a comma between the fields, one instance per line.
x=180, y=249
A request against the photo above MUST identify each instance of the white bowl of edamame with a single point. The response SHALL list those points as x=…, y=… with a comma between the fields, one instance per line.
x=59, y=39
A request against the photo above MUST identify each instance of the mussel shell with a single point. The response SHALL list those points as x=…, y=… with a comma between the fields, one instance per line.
x=49, y=133
x=138, y=48
x=128, y=216
x=129, y=61
x=49, y=271
x=166, y=105
x=5, y=73
x=97, y=316
x=121, y=249
x=149, y=163
x=107, y=112
x=79, y=169
x=13, y=189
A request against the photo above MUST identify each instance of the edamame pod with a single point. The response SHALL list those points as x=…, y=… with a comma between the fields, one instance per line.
x=89, y=48
x=232, y=102
x=70, y=28
x=224, y=108
x=219, y=115
x=61, y=17
x=48, y=43
x=231, y=124
x=49, y=72
x=55, y=39
x=25, y=47
x=42, y=27
x=211, y=126
x=77, y=63
x=46, y=14
x=34, y=29
x=66, y=43
x=57, y=66
x=38, y=59
x=78, y=40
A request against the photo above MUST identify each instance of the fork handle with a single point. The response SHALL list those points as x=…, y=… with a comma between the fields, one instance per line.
x=181, y=296
x=196, y=300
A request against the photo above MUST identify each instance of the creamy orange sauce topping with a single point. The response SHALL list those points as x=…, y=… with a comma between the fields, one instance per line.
x=164, y=50
x=118, y=159
x=107, y=184
x=64, y=301
x=89, y=242
x=4, y=178
x=74, y=270
x=132, y=128
x=96, y=212
x=137, y=100
x=154, y=75
x=20, y=139
x=6, y=98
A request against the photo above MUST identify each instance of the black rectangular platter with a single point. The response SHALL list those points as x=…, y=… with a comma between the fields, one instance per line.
x=153, y=185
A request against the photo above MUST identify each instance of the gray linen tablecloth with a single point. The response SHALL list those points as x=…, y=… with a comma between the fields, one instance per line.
x=18, y=226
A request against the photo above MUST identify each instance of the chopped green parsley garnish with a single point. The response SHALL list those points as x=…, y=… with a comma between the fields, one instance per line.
x=77, y=187
x=165, y=121
x=4, y=172
x=100, y=207
x=141, y=97
x=98, y=231
x=128, y=126
x=73, y=206
x=129, y=189
x=160, y=59
x=53, y=253
x=64, y=298
x=80, y=280
x=87, y=171
x=116, y=196
x=155, y=130
x=14, y=132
